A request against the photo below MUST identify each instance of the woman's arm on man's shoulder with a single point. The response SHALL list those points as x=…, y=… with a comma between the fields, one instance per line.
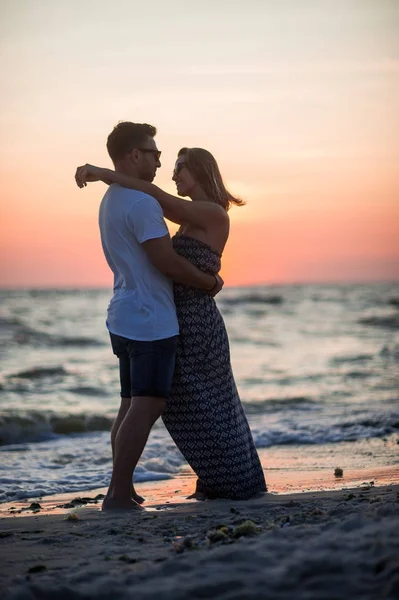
x=175, y=209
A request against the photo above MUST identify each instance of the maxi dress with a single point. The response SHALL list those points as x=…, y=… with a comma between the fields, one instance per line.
x=204, y=414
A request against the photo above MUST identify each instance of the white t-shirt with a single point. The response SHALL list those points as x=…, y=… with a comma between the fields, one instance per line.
x=142, y=307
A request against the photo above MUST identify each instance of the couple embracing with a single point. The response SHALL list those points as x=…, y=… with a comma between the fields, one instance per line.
x=163, y=321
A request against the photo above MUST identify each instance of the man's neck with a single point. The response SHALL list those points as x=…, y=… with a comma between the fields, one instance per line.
x=131, y=171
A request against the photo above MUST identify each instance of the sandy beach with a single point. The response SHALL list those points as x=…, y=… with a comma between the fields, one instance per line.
x=339, y=543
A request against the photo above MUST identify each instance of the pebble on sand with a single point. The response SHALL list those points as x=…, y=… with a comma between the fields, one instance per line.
x=72, y=517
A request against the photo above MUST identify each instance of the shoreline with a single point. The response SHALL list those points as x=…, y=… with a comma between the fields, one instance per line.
x=288, y=468
x=280, y=482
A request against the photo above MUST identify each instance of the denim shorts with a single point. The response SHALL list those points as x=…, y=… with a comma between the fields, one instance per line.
x=146, y=368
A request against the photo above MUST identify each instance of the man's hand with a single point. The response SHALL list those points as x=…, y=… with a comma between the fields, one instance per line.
x=88, y=173
x=218, y=286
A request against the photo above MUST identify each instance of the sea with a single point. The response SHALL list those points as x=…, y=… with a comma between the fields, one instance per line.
x=316, y=366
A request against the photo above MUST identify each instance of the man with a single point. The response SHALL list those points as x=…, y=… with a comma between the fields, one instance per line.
x=141, y=316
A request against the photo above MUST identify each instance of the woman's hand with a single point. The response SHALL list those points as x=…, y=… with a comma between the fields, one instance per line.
x=88, y=173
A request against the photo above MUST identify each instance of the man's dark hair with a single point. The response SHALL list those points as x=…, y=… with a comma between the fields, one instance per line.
x=126, y=136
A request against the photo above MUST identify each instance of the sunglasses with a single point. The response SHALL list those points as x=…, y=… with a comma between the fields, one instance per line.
x=156, y=153
x=178, y=168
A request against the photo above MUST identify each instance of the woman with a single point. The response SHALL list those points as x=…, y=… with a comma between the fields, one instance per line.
x=204, y=414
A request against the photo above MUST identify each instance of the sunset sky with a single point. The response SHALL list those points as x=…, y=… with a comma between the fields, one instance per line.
x=297, y=99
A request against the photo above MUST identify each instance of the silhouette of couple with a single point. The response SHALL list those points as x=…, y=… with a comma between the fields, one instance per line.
x=163, y=321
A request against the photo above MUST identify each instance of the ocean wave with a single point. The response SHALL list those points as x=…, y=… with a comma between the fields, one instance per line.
x=351, y=358
x=238, y=339
x=359, y=374
x=256, y=312
x=32, y=379
x=317, y=433
x=386, y=321
x=11, y=492
x=37, y=426
x=22, y=335
x=39, y=338
x=87, y=390
x=388, y=351
x=253, y=299
x=45, y=380
x=70, y=464
x=54, y=292
x=38, y=373
x=283, y=379
x=273, y=405
x=10, y=322
x=334, y=299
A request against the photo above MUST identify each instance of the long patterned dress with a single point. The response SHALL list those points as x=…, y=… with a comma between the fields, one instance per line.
x=204, y=414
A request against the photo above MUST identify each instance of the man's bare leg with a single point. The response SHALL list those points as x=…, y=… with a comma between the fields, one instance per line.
x=124, y=407
x=130, y=441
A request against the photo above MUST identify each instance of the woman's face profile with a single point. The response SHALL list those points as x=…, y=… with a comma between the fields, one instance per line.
x=182, y=177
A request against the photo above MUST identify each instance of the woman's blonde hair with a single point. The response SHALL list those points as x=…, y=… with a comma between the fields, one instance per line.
x=204, y=168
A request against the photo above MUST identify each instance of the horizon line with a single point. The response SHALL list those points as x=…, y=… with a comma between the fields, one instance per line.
x=55, y=288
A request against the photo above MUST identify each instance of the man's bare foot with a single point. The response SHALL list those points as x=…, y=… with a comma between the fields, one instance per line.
x=136, y=497
x=112, y=504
